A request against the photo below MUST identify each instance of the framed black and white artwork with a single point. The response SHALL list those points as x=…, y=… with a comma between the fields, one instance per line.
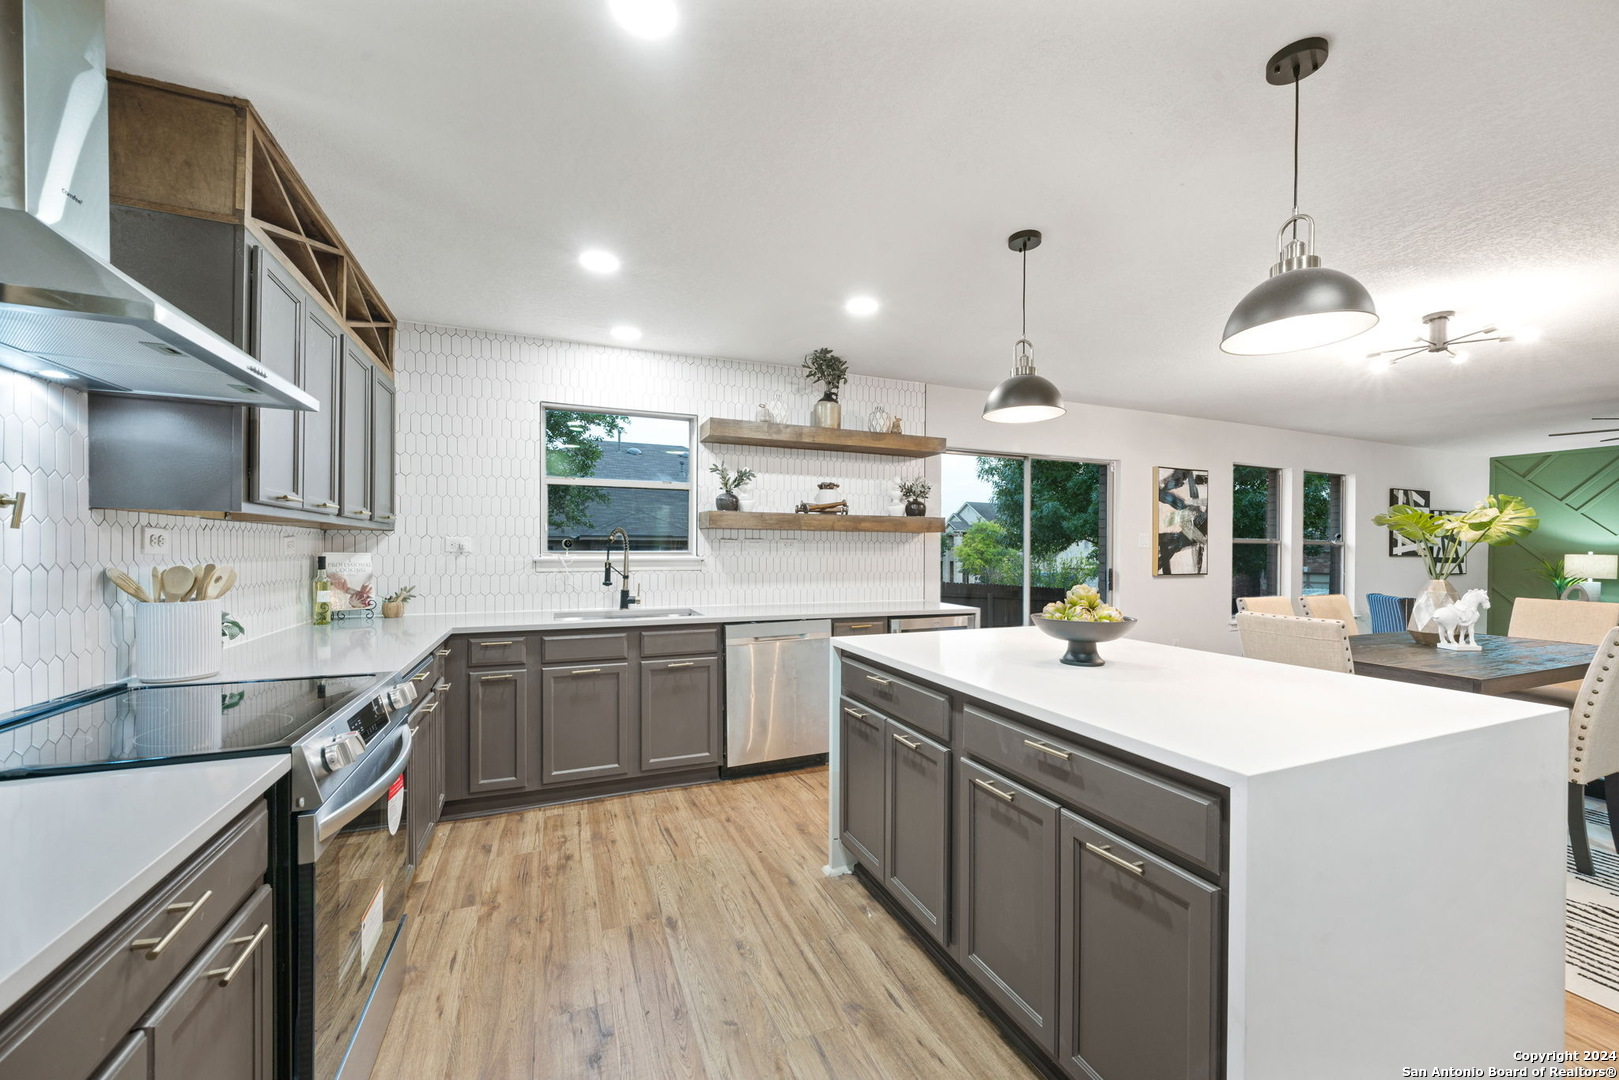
x=1422, y=500
x=1181, y=522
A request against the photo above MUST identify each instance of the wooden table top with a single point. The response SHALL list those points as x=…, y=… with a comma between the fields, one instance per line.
x=1504, y=665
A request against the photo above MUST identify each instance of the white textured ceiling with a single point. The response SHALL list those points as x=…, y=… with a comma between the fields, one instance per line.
x=772, y=158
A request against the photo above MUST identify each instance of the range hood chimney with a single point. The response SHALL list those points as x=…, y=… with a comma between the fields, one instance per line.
x=65, y=313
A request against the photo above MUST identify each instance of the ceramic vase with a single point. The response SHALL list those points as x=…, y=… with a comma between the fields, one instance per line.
x=916, y=508
x=727, y=500
x=828, y=413
x=1435, y=595
x=393, y=609
x=178, y=641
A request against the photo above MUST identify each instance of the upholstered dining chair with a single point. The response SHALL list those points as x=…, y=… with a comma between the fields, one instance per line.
x=1560, y=620
x=1593, y=744
x=1329, y=606
x=1290, y=639
x=1266, y=605
x=1389, y=614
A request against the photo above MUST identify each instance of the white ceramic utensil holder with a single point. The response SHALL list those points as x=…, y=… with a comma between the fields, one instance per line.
x=179, y=640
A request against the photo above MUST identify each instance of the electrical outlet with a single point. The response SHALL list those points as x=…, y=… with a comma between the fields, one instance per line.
x=155, y=541
x=289, y=544
x=458, y=545
x=788, y=544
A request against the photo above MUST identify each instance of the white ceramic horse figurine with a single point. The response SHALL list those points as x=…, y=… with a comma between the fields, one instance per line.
x=1456, y=621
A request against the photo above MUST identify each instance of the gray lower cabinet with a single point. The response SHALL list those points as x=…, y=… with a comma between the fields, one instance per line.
x=382, y=449
x=862, y=760
x=586, y=723
x=1140, y=947
x=131, y=1061
x=354, y=425
x=1006, y=896
x=323, y=377
x=497, y=730
x=277, y=343
x=680, y=713
x=218, y=1020
x=917, y=782
x=424, y=776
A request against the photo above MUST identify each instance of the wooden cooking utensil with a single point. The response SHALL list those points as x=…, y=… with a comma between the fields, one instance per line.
x=177, y=581
x=205, y=577
x=157, y=585
x=127, y=584
x=222, y=583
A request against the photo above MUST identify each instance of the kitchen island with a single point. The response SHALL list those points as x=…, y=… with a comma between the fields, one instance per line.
x=1194, y=865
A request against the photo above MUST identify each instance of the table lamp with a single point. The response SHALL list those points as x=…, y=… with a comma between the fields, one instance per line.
x=1595, y=569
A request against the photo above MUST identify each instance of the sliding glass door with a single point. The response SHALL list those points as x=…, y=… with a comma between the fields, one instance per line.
x=1020, y=532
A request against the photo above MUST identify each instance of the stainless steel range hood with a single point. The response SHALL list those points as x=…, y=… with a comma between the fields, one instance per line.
x=65, y=313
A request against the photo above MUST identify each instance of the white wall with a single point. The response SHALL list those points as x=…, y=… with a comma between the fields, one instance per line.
x=1194, y=611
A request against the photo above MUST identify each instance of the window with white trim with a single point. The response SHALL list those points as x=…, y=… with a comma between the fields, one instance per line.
x=1256, y=535
x=1323, y=533
x=617, y=470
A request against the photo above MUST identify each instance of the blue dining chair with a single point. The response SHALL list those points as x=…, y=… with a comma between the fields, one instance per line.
x=1389, y=613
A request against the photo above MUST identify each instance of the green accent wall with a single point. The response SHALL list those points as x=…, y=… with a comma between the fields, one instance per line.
x=1576, y=494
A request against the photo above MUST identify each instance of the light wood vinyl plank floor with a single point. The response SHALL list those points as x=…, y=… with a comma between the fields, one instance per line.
x=685, y=934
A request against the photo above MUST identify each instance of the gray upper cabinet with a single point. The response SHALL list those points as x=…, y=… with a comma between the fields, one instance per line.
x=1006, y=897
x=323, y=373
x=1140, y=945
x=862, y=761
x=382, y=450
x=680, y=713
x=917, y=783
x=586, y=723
x=497, y=724
x=277, y=343
x=354, y=436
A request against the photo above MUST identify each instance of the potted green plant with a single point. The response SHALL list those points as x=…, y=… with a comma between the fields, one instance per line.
x=1557, y=576
x=730, y=481
x=393, y=605
x=830, y=370
x=1444, y=541
x=915, y=493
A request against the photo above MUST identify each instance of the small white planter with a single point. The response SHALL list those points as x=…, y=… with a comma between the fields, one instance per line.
x=179, y=640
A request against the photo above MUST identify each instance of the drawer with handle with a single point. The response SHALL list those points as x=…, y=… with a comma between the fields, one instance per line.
x=1178, y=819
x=577, y=648
x=490, y=649
x=424, y=675
x=92, y=1007
x=656, y=643
x=921, y=707
x=858, y=627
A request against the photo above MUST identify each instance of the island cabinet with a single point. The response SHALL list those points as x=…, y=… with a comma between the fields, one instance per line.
x=425, y=775
x=861, y=755
x=916, y=835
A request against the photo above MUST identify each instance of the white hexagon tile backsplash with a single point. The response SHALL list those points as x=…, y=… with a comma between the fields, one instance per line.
x=468, y=465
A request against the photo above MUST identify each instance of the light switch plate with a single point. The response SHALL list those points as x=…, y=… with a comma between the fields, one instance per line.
x=289, y=544
x=458, y=545
x=155, y=541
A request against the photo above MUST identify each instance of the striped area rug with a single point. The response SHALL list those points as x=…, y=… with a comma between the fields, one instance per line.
x=1591, y=918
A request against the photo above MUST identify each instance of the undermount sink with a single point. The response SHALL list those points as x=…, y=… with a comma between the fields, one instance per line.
x=629, y=613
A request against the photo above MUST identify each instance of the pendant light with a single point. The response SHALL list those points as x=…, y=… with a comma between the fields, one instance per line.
x=1303, y=304
x=1024, y=397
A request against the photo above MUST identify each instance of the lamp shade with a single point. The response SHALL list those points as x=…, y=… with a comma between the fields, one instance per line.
x=1592, y=567
x=1024, y=399
x=1298, y=309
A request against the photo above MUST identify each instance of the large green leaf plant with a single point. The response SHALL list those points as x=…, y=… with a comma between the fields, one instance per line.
x=1445, y=539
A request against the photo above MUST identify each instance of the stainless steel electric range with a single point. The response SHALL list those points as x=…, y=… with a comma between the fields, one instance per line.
x=341, y=854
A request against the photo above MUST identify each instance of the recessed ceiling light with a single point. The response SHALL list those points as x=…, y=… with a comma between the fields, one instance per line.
x=649, y=19
x=52, y=373
x=598, y=261
x=626, y=333
x=861, y=305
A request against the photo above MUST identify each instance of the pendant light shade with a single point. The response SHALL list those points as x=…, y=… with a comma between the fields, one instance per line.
x=1024, y=397
x=1302, y=305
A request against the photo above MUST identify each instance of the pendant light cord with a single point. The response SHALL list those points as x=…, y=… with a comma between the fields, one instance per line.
x=1025, y=332
x=1296, y=81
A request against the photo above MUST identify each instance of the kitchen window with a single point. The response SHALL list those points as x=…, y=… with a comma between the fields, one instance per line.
x=617, y=470
x=1323, y=533
x=1256, y=535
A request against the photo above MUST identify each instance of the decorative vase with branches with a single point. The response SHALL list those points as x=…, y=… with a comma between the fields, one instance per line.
x=830, y=370
x=730, y=482
x=915, y=493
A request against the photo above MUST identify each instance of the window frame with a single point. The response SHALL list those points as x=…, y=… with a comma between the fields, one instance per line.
x=1335, y=523
x=556, y=560
x=1275, y=518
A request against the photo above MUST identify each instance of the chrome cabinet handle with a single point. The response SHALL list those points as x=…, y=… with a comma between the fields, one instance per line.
x=993, y=790
x=441, y=652
x=154, y=946
x=1044, y=748
x=444, y=684
x=585, y=671
x=494, y=644
x=293, y=497
x=495, y=678
x=226, y=974
x=903, y=741
x=683, y=663
x=879, y=680
x=856, y=713
x=1105, y=851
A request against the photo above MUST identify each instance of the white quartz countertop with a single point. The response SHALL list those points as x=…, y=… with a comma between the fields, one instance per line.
x=77, y=851
x=1222, y=717
x=390, y=645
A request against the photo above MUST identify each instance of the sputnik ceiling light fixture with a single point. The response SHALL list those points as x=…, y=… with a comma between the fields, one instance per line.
x=1302, y=305
x=1440, y=341
x=1592, y=431
x=1024, y=397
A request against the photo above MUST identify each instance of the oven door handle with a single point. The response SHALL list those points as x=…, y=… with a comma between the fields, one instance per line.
x=328, y=823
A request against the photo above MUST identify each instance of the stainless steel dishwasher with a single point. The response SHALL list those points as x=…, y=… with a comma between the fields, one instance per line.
x=778, y=692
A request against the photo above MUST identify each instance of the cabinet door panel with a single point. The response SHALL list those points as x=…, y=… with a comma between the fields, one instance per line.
x=1006, y=896
x=218, y=1018
x=918, y=790
x=354, y=437
x=278, y=330
x=497, y=731
x=1139, y=958
x=585, y=723
x=862, y=760
x=382, y=449
x=323, y=360
x=680, y=713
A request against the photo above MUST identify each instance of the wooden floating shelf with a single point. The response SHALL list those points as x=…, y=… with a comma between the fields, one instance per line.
x=717, y=431
x=855, y=523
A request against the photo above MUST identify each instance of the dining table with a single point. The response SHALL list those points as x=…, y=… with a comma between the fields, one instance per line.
x=1502, y=665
